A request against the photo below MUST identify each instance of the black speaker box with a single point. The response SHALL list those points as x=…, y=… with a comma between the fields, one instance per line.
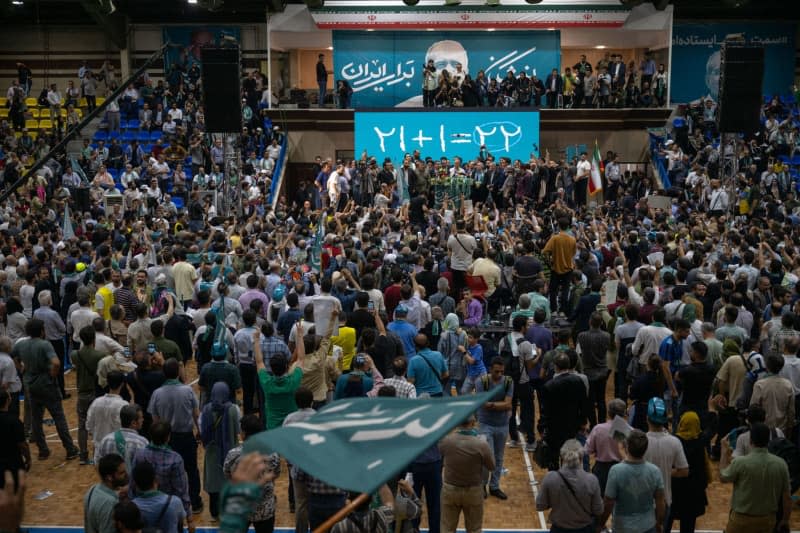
x=742, y=75
x=222, y=90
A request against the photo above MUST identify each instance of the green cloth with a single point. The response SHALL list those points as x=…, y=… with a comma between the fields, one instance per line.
x=85, y=362
x=759, y=480
x=279, y=395
x=236, y=504
x=168, y=349
x=539, y=301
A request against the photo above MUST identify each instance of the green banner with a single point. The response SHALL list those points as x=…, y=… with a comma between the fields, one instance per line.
x=359, y=444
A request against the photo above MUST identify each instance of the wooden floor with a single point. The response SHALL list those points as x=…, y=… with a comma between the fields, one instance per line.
x=68, y=481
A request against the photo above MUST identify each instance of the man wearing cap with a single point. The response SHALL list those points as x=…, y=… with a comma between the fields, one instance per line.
x=664, y=450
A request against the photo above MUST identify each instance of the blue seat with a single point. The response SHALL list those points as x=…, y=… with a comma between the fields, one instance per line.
x=123, y=124
x=113, y=135
x=795, y=160
x=147, y=148
x=119, y=187
x=128, y=136
x=100, y=135
x=143, y=137
x=784, y=159
x=178, y=201
x=155, y=135
x=133, y=124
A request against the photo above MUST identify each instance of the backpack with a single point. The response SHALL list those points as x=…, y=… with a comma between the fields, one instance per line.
x=507, y=382
x=786, y=450
x=155, y=528
x=513, y=365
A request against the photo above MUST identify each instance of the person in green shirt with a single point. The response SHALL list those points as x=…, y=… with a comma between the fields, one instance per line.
x=169, y=349
x=99, y=502
x=760, y=487
x=280, y=386
x=85, y=363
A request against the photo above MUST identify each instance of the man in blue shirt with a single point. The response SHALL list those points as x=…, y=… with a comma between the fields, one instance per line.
x=493, y=419
x=404, y=330
x=671, y=353
x=427, y=369
x=159, y=510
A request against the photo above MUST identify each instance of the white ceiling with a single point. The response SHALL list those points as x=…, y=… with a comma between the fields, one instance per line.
x=645, y=28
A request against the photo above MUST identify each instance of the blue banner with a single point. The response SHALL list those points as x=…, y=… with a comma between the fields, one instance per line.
x=695, y=69
x=385, y=69
x=187, y=43
x=436, y=134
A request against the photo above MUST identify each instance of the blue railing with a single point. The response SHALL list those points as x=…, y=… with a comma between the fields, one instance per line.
x=277, y=174
x=656, y=141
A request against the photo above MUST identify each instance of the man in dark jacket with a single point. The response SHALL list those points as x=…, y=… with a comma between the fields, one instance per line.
x=565, y=408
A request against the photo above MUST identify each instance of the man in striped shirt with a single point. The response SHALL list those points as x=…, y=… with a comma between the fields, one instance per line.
x=403, y=388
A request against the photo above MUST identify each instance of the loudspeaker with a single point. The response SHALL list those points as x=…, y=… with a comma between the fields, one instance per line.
x=222, y=90
x=740, y=83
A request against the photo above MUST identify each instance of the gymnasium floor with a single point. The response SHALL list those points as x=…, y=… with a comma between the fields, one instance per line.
x=68, y=482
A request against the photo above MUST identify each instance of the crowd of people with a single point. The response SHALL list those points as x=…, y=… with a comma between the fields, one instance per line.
x=374, y=281
x=610, y=83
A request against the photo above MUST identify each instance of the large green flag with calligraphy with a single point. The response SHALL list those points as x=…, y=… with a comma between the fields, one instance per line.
x=358, y=444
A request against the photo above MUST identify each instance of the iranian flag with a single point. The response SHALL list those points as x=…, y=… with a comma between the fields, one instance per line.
x=596, y=179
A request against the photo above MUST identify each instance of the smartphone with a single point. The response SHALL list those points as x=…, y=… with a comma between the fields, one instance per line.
x=127, y=353
x=151, y=348
x=371, y=305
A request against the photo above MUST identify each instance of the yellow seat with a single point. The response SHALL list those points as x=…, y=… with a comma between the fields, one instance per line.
x=33, y=134
x=44, y=112
x=100, y=101
x=17, y=134
x=31, y=125
x=63, y=113
x=3, y=101
x=3, y=112
x=33, y=113
x=82, y=102
x=79, y=112
x=46, y=124
x=31, y=102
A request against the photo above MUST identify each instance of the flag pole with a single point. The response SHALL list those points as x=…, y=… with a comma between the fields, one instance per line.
x=341, y=513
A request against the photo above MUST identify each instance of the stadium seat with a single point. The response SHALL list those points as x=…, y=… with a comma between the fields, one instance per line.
x=178, y=201
x=128, y=136
x=133, y=124
x=3, y=112
x=3, y=101
x=100, y=101
x=44, y=112
x=31, y=124
x=119, y=187
x=123, y=124
x=82, y=103
x=31, y=103
x=143, y=137
x=155, y=135
x=113, y=135
x=33, y=112
x=46, y=124
x=100, y=135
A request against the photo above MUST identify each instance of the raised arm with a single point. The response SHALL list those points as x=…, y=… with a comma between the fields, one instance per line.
x=259, y=356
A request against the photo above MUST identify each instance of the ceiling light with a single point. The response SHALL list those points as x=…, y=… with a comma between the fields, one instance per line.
x=551, y=29
x=429, y=29
x=492, y=3
x=600, y=46
x=17, y=2
x=370, y=29
x=489, y=29
x=452, y=2
x=192, y=1
x=330, y=48
x=411, y=2
x=533, y=1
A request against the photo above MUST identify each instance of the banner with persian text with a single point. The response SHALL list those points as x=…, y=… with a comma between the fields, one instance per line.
x=385, y=69
x=696, y=68
x=436, y=134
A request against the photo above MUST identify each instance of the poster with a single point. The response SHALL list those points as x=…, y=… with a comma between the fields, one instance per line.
x=696, y=56
x=186, y=43
x=384, y=68
x=436, y=134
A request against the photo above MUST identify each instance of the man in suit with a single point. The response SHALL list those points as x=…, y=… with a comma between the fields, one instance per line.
x=617, y=71
x=586, y=306
x=554, y=86
x=565, y=407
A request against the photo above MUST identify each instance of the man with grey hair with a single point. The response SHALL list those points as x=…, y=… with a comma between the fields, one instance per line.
x=523, y=309
x=441, y=298
x=571, y=494
x=9, y=377
x=54, y=331
x=602, y=444
x=125, y=441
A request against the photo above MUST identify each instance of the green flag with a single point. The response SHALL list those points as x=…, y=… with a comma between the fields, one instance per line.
x=358, y=444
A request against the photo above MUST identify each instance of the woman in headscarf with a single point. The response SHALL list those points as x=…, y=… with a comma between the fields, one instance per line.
x=219, y=424
x=451, y=339
x=689, y=493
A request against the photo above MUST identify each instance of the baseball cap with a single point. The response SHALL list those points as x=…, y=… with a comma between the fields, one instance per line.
x=657, y=411
x=401, y=310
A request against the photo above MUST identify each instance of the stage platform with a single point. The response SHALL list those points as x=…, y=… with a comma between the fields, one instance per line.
x=551, y=120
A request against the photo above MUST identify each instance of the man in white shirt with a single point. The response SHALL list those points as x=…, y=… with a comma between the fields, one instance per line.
x=791, y=363
x=648, y=339
x=174, y=113
x=274, y=150
x=129, y=177
x=583, y=171
x=717, y=199
x=169, y=126
x=103, y=416
x=333, y=185
x=664, y=450
x=54, y=101
x=460, y=245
